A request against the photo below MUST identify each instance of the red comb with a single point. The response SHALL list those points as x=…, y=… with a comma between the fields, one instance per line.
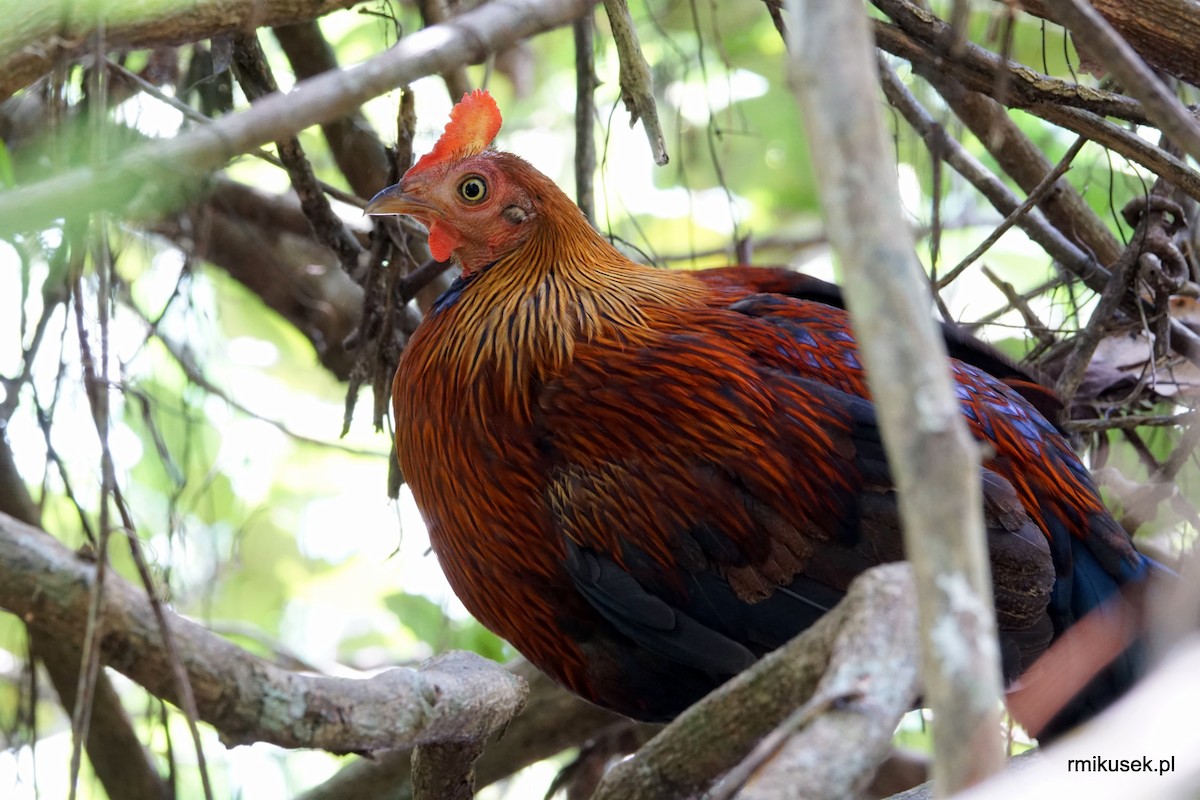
x=473, y=124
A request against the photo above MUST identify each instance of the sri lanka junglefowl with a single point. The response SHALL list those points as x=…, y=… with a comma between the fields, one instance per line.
x=646, y=479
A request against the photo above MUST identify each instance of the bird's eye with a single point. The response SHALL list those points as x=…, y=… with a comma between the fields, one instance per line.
x=473, y=189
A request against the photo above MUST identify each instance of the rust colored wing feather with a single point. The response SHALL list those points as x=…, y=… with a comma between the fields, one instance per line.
x=960, y=344
x=739, y=500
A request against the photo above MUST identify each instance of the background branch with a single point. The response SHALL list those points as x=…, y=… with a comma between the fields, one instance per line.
x=465, y=39
x=37, y=35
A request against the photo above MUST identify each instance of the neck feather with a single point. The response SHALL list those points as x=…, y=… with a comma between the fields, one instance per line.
x=522, y=317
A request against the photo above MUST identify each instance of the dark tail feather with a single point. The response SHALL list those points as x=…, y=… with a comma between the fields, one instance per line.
x=1096, y=660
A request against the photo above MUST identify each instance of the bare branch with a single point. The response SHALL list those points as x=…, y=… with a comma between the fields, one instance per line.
x=465, y=39
x=585, y=115
x=257, y=81
x=1164, y=32
x=356, y=148
x=35, y=36
x=934, y=461
x=455, y=697
x=637, y=88
x=458, y=83
x=1102, y=42
x=1025, y=163
x=553, y=720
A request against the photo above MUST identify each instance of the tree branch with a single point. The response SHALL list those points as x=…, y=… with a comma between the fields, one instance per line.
x=553, y=719
x=1025, y=163
x=356, y=149
x=1164, y=32
x=637, y=88
x=455, y=697
x=467, y=38
x=934, y=461
x=1102, y=42
x=35, y=36
x=873, y=626
x=121, y=763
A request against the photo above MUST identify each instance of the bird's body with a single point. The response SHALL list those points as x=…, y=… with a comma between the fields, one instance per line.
x=646, y=479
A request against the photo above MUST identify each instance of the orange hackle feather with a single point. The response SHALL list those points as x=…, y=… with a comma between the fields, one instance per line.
x=474, y=122
x=645, y=479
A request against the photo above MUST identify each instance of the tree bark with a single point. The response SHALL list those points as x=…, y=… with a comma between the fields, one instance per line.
x=455, y=697
x=934, y=461
x=36, y=36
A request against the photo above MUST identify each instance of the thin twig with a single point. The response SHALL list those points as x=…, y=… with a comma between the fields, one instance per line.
x=636, y=84
x=1130, y=422
x=1034, y=197
x=584, y=30
x=1032, y=323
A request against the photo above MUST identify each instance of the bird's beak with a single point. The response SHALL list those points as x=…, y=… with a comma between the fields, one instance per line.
x=394, y=200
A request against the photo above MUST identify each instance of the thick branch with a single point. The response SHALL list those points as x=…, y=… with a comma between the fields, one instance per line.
x=874, y=624
x=35, y=36
x=1160, y=103
x=1164, y=32
x=872, y=679
x=467, y=38
x=553, y=720
x=933, y=459
x=456, y=697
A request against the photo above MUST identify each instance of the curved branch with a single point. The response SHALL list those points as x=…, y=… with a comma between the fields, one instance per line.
x=457, y=697
x=169, y=165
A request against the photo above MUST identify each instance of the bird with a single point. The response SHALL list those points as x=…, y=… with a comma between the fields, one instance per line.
x=646, y=479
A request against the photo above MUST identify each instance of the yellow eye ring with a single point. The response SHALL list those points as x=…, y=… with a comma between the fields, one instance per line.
x=473, y=189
